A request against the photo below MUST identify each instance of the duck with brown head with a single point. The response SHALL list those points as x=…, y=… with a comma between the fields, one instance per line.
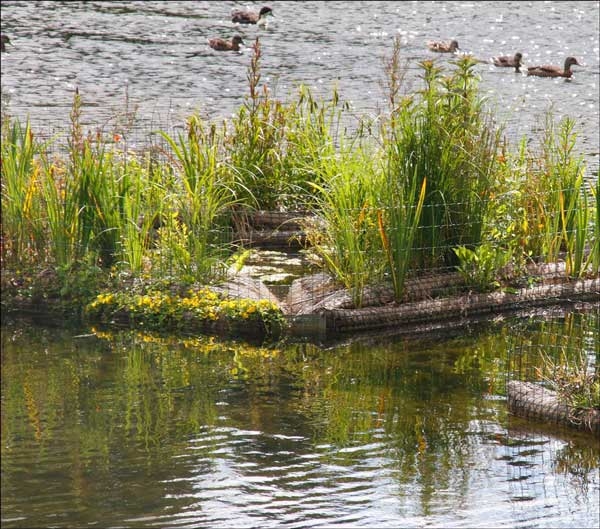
x=4, y=40
x=550, y=70
x=219, y=44
x=250, y=17
x=443, y=47
x=507, y=61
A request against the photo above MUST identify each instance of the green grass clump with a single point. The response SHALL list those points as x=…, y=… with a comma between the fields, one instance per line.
x=275, y=148
x=572, y=380
x=443, y=135
x=543, y=210
x=347, y=237
x=567, y=359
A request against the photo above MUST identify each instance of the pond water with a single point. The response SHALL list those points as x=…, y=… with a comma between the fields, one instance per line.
x=136, y=57
x=125, y=429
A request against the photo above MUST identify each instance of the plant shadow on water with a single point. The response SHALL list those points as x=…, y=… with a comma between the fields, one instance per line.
x=133, y=428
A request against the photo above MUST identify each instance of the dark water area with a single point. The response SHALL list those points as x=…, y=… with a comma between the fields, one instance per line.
x=129, y=429
x=136, y=57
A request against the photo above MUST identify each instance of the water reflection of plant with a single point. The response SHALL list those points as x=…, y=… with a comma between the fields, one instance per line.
x=578, y=462
x=530, y=348
x=417, y=404
x=569, y=361
x=150, y=389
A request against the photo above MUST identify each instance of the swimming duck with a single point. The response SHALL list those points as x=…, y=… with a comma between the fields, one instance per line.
x=443, y=47
x=4, y=40
x=509, y=62
x=549, y=70
x=219, y=44
x=250, y=17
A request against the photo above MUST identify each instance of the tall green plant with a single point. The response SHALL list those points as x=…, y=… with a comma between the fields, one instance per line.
x=23, y=239
x=580, y=243
x=444, y=135
x=142, y=206
x=595, y=245
x=62, y=216
x=398, y=223
x=85, y=201
x=254, y=145
x=206, y=196
x=348, y=240
x=562, y=173
x=275, y=147
x=99, y=194
x=550, y=197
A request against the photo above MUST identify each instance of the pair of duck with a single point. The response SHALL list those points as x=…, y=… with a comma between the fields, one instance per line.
x=240, y=17
x=237, y=16
x=546, y=70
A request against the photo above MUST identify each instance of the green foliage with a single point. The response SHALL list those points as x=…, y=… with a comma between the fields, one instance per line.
x=572, y=378
x=275, y=148
x=22, y=239
x=80, y=284
x=563, y=355
x=564, y=193
x=595, y=243
x=576, y=213
x=480, y=267
x=398, y=224
x=563, y=176
x=83, y=202
x=141, y=206
x=348, y=239
x=443, y=135
x=416, y=194
x=190, y=229
x=542, y=204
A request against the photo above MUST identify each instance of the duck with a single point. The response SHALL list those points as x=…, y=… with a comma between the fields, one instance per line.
x=443, y=47
x=548, y=70
x=219, y=44
x=509, y=62
x=251, y=17
x=4, y=40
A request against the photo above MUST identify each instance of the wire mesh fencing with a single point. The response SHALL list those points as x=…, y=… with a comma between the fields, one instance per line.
x=553, y=372
x=364, y=263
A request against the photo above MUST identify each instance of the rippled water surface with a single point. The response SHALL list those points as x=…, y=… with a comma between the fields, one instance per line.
x=130, y=430
x=134, y=430
x=143, y=49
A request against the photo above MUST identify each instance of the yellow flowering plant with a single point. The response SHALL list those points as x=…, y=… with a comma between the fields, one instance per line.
x=202, y=308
